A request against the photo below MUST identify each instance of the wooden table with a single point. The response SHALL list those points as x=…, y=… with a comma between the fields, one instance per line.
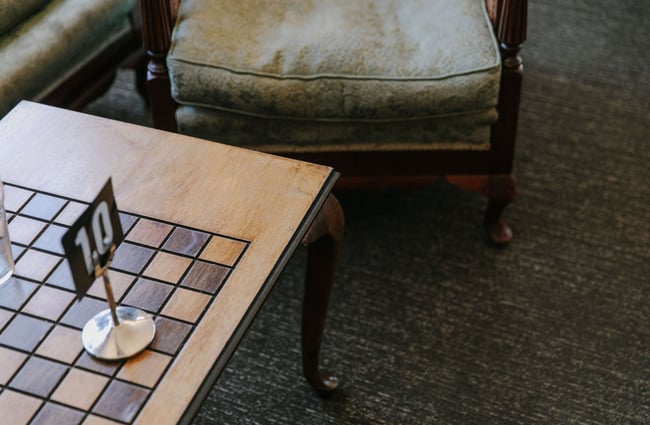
x=208, y=230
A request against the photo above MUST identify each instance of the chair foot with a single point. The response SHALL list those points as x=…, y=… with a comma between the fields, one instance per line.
x=323, y=240
x=500, y=191
x=498, y=230
x=322, y=381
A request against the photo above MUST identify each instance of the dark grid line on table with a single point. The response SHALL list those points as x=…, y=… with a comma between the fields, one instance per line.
x=39, y=249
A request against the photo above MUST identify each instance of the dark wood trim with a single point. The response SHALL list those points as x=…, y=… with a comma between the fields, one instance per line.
x=95, y=78
x=511, y=33
x=512, y=20
x=399, y=163
x=156, y=33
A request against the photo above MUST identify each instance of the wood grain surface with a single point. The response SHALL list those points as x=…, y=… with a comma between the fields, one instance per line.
x=181, y=180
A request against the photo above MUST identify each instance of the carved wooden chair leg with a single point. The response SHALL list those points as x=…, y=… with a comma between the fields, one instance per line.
x=323, y=240
x=500, y=191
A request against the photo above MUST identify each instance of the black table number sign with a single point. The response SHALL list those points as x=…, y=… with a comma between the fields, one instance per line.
x=91, y=241
x=89, y=245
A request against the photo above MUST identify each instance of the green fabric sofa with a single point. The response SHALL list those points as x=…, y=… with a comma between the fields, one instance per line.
x=44, y=43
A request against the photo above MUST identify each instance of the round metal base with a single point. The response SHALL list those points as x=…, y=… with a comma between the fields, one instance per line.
x=6, y=270
x=105, y=341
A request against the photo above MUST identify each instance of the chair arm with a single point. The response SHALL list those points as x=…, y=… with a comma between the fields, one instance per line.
x=511, y=17
x=511, y=33
x=156, y=25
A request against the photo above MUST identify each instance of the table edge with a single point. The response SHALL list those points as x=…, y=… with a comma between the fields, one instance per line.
x=236, y=337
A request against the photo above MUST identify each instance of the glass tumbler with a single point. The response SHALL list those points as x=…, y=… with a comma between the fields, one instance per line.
x=6, y=258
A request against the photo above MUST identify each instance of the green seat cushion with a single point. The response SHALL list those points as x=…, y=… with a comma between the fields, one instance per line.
x=44, y=49
x=335, y=59
x=467, y=131
x=13, y=12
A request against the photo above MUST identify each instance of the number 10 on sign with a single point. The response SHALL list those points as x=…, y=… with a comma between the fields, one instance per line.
x=89, y=245
x=102, y=235
x=92, y=239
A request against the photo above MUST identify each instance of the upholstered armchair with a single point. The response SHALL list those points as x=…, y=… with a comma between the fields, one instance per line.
x=62, y=52
x=387, y=92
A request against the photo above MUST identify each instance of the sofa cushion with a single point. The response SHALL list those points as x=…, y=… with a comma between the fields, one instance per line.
x=468, y=131
x=54, y=42
x=13, y=12
x=335, y=59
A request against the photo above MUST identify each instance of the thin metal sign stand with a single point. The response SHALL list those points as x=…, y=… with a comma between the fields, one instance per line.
x=89, y=245
x=118, y=332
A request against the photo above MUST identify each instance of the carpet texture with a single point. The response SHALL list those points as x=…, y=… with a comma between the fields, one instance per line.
x=429, y=323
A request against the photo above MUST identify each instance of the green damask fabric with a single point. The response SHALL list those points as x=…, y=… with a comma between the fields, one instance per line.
x=13, y=12
x=335, y=58
x=295, y=67
x=451, y=131
x=37, y=54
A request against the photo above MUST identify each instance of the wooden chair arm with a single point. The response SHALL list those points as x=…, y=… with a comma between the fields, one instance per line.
x=156, y=25
x=511, y=17
x=158, y=17
x=510, y=31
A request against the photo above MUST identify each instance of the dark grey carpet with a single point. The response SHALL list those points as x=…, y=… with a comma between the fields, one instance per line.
x=429, y=324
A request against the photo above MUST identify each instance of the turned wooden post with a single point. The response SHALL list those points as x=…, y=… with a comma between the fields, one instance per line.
x=323, y=240
x=511, y=33
x=511, y=17
x=156, y=31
